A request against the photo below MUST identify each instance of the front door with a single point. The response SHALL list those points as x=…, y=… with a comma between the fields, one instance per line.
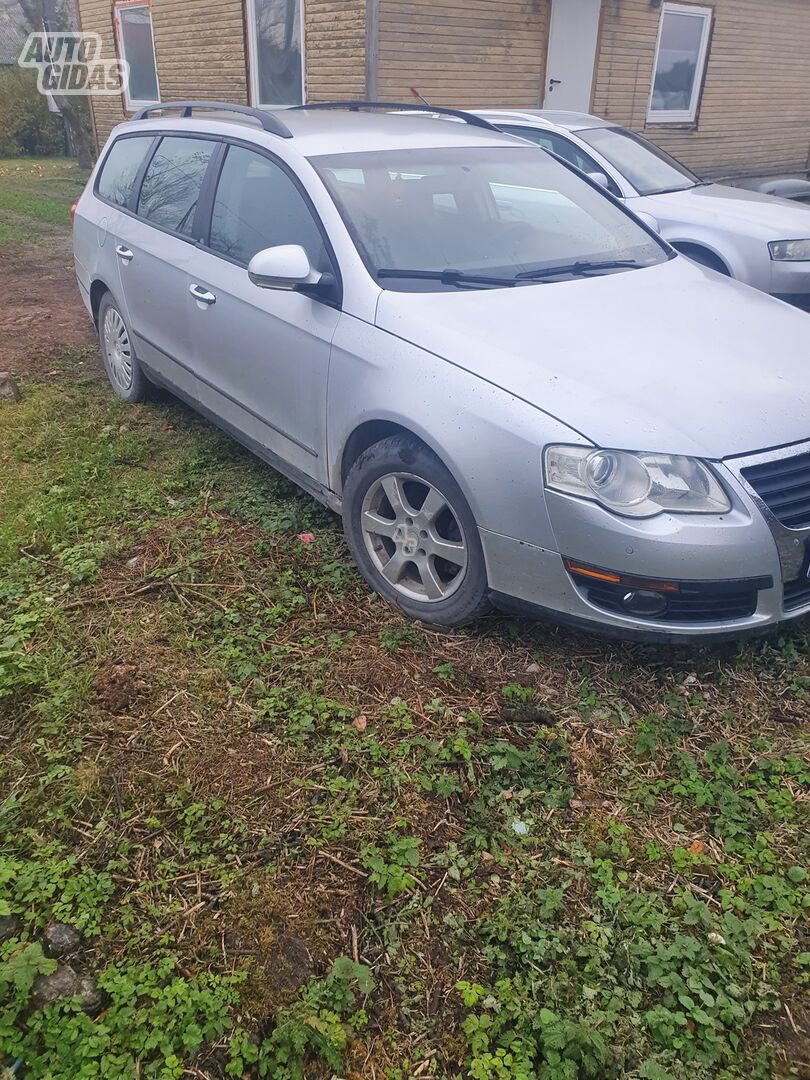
x=262, y=355
x=571, y=54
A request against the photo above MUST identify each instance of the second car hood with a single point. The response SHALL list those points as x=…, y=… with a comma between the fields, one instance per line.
x=781, y=219
x=672, y=358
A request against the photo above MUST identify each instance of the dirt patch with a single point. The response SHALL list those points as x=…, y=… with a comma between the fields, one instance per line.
x=42, y=310
x=117, y=687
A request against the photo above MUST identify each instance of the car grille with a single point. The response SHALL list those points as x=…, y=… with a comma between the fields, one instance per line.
x=784, y=487
x=709, y=602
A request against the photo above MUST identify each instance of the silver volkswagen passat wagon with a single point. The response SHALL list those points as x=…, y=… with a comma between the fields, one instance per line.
x=511, y=388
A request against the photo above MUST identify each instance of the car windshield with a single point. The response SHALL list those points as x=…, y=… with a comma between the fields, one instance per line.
x=480, y=217
x=647, y=167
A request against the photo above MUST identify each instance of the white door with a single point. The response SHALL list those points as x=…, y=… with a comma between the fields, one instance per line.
x=571, y=54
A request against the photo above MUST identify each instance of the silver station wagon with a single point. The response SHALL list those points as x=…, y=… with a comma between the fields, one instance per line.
x=514, y=391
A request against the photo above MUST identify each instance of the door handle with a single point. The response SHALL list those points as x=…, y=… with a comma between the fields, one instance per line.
x=553, y=82
x=124, y=254
x=202, y=294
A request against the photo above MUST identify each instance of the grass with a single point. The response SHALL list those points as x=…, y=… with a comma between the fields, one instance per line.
x=35, y=197
x=300, y=836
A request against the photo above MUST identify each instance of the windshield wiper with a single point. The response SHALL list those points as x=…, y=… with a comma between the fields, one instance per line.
x=577, y=269
x=446, y=277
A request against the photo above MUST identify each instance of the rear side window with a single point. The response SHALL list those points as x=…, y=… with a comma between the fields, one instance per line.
x=121, y=167
x=257, y=206
x=172, y=183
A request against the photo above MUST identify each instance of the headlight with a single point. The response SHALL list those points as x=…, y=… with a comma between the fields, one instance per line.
x=637, y=485
x=790, y=250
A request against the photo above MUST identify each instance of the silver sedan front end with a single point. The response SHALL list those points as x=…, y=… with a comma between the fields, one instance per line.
x=673, y=577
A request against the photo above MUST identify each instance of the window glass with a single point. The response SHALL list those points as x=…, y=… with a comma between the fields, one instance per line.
x=257, y=206
x=172, y=183
x=121, y=167
x=505, y=212
x=277, y=76
x=649, y=169
x=679, y=62
x=550, y=140
x=136, y=47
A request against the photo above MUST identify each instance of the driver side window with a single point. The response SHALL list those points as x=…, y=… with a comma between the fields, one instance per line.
x=257, y=205
x=550, y=140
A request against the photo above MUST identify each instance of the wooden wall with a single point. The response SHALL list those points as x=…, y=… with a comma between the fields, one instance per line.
x=95, y=17
x=335, y=49
x=462, y=52
x=755, y=110
x=201, y=51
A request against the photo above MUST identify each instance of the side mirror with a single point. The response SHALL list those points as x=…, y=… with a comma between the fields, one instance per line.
x=284, y=267
x=599, y=178
x=648, y=220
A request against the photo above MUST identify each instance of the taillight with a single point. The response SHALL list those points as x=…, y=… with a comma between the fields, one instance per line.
x=73, y=213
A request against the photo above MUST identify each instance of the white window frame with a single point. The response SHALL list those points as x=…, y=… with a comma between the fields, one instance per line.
x=253, y=56
x=135, y=103
x=682, y=116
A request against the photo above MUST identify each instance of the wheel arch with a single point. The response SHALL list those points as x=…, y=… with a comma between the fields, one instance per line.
x=97, y=291
x=368, y=433
x=700, y=247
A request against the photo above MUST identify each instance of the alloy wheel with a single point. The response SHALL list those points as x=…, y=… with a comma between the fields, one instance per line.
x=414, y=537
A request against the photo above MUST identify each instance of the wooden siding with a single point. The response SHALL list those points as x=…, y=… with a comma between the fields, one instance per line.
x=199, y=49
x=755, y=109
x=463, y=52
x=335, y=49
x=96, y=17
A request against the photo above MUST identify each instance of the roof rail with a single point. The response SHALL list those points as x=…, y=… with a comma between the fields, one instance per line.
x=398, y=106
x=268, y=120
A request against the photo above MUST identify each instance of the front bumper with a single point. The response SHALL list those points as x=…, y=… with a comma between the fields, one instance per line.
x=746, y=549
x=790, y=281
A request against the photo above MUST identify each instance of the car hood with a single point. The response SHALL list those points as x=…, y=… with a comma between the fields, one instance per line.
x=672, y=358
x=781, y=219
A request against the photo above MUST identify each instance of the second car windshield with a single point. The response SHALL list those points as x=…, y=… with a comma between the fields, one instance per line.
x=648, y=168
x=480, y=216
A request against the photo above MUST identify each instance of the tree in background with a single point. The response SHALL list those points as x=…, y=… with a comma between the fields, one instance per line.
x=61, y=15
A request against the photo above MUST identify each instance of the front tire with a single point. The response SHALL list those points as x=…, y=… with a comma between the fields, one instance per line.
x=118, y=353
x=413, y=535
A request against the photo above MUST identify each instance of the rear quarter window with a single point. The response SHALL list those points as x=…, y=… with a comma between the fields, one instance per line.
x=120, y=168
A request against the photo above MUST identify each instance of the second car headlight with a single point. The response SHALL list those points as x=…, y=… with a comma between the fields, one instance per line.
x=790, y=250
x=634, y=484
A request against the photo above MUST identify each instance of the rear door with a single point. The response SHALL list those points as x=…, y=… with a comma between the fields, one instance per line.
x=155, y=251
x=101, y=216
x=262, y=355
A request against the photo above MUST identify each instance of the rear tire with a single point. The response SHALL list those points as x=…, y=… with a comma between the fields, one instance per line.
x=121, y=365
x=412, y=533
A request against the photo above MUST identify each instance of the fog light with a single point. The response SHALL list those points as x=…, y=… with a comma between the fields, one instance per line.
x=644, y=603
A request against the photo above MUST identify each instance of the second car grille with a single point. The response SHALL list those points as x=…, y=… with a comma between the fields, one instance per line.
x=784, y=487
